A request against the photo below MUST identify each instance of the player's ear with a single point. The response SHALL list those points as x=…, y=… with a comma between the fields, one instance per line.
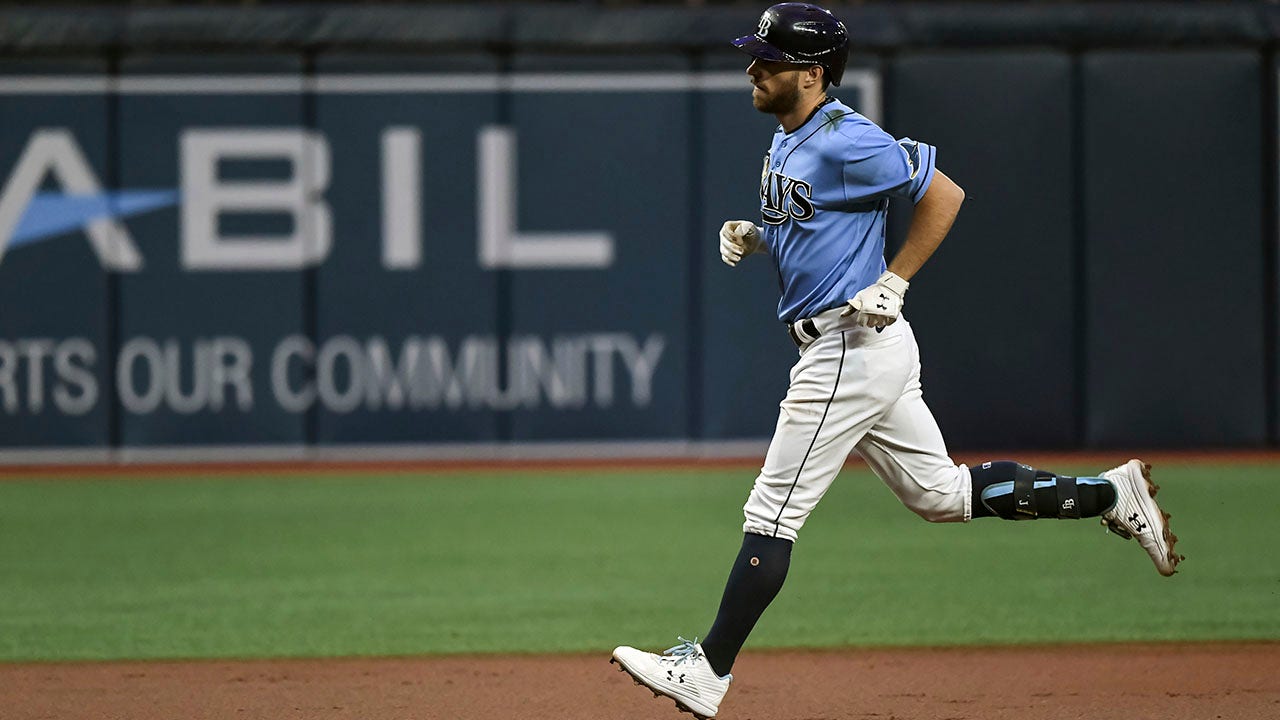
x=813, y=76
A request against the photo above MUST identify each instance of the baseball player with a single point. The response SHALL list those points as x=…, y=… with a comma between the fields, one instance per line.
x=824, y=195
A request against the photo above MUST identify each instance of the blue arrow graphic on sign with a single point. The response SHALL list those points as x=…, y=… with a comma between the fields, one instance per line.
x=52, y=214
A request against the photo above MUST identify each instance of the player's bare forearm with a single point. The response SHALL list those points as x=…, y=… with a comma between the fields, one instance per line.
x=930, y=223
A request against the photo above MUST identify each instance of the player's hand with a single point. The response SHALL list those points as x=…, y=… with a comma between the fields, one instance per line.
x=878, y=306
x=738, y=238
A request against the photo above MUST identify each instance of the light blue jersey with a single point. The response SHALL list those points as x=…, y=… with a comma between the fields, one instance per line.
x=824, y=199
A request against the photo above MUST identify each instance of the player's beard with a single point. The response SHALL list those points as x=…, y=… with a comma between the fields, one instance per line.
x=783, y=101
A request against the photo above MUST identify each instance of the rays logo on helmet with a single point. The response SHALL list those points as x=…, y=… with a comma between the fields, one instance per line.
x=765, y=23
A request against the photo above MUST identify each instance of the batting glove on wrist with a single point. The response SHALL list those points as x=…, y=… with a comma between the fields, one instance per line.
x=878, y=305
x=738, y=238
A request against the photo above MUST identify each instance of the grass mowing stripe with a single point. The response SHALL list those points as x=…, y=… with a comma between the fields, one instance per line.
x=538, y=562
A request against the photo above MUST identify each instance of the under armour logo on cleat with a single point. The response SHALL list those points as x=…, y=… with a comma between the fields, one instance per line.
x=1138, y=526
x=671, y=676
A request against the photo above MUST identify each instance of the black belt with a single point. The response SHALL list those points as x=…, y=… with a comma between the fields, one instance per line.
x=803, y=332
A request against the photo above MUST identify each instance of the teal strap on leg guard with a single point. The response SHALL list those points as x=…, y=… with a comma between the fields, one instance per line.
x=1024, y=491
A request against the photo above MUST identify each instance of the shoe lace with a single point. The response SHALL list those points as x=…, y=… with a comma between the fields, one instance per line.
x=686, y=650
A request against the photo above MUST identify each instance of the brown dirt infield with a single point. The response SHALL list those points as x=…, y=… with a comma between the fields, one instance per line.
x=1098, y=682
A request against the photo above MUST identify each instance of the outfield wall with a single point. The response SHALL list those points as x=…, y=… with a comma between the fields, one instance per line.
x=430, y=248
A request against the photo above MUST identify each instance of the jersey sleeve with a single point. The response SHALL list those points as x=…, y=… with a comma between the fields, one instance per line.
x=877, y=166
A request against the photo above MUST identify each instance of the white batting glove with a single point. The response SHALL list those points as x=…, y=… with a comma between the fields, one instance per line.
x=878, y=305
x=738, y=238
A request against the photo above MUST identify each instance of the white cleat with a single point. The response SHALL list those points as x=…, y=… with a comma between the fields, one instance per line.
x=682, y=674
x=1136, y=515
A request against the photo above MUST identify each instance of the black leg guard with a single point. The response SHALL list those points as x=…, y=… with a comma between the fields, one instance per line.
x=1019, y=492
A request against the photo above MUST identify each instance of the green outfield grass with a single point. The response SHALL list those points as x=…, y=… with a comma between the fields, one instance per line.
x=580, y=560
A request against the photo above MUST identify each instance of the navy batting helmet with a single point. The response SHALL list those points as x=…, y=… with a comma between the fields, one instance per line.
x=800, y=33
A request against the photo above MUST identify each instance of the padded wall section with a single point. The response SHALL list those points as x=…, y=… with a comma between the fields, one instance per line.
x=1174, y=157
x=202, y=324
x=54, y=343
x=994, y=309
x=597, y=328
x=406, y=317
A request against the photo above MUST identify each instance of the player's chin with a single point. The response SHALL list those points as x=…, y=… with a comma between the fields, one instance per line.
x=767, y=104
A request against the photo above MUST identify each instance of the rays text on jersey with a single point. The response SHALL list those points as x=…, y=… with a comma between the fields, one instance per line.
x=783, y=197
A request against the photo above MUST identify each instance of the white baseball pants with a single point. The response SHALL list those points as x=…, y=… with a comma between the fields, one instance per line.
x=855, y=388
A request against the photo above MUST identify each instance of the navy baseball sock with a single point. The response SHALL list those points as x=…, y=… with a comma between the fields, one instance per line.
x=754, y=582
x=993, y=492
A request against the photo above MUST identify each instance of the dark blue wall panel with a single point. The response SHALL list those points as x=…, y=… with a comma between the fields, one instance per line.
x=1174, y=209
x=993, y=308
x=616, y=162
x=1049, y=318
x=745, y=352
x=54, y=355
x=428, y=320
x=174, y=313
